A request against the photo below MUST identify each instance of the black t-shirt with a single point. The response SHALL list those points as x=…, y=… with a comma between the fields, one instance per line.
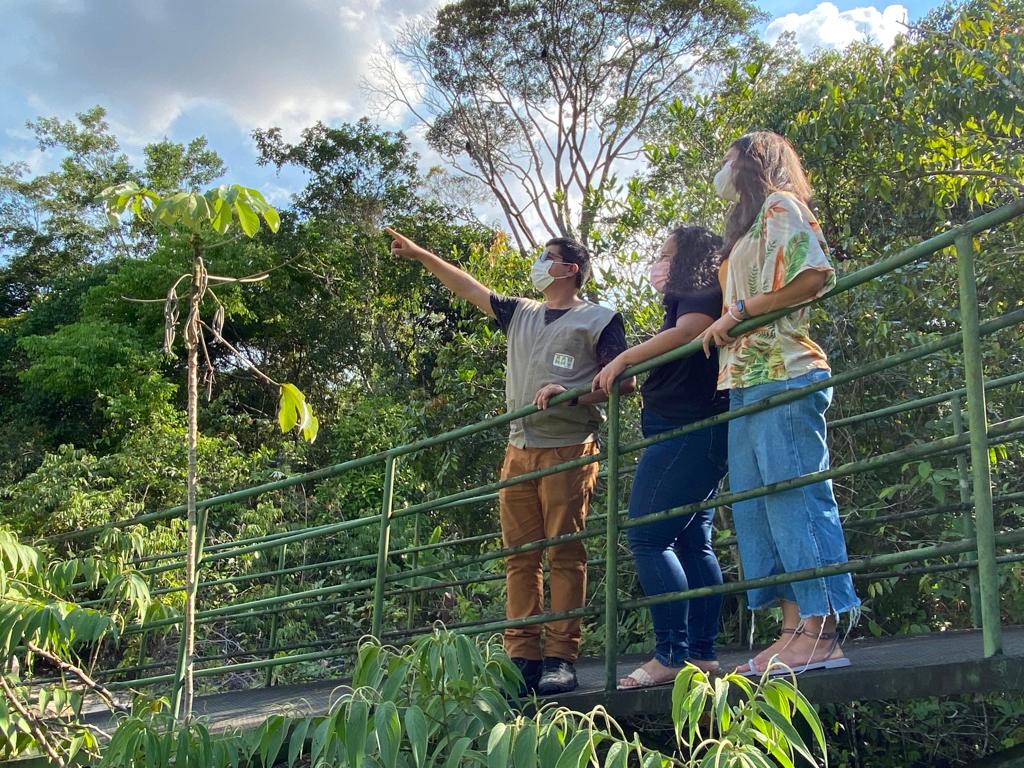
x=686, y=390
x=610, y=344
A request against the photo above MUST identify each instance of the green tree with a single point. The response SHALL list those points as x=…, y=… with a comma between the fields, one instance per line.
x=218, y=211
x=542, y=100
x=43, y=622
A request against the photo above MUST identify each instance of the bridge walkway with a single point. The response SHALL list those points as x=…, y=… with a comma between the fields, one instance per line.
x=937, y=664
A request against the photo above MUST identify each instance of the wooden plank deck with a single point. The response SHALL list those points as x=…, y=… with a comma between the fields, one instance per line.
x=938, y=664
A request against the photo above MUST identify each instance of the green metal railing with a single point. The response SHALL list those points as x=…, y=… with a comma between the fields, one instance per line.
x=977, y=552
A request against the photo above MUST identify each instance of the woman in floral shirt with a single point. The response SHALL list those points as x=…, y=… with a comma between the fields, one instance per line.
x=776, y=258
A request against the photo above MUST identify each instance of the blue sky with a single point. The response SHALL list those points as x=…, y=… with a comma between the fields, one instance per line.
x=183, y=68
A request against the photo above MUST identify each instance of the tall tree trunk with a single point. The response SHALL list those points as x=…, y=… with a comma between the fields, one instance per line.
x=188, y=627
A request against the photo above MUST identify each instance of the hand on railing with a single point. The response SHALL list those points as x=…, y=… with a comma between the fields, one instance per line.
x=545, y=393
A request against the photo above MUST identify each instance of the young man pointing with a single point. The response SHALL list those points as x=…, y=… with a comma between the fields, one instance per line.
x=554, y=345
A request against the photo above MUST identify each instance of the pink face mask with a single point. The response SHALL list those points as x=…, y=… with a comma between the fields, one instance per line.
x=658, y=274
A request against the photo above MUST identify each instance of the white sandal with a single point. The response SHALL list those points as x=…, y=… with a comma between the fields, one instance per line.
x=642, y=679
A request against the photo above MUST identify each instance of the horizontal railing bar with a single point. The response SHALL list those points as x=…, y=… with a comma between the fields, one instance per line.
x=278, y=534
x=901, y=407
x=939, y=568
x=924, y=402
x=868, y=369
x=928, y=348
x=907, y=256
x=851, y=566
x=855, y=525
x=960, y=565
x=996, y=431
x=854, y=567
x=270, y=542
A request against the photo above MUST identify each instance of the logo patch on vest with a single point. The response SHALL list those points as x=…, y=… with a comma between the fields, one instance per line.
x=563, y=360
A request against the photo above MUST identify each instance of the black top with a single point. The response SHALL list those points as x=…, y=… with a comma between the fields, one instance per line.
x=686, y=390
x=610, y=344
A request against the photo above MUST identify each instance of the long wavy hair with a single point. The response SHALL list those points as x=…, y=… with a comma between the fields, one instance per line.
x=765, y=162
x=695, y=265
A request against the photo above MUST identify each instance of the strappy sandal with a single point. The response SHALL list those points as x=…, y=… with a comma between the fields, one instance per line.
x=829, y=662
x=777, y=669
x=641, y=678
x=752, y=670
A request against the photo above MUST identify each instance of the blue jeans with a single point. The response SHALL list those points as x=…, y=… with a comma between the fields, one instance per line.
x=675, y=555
x=795, y=529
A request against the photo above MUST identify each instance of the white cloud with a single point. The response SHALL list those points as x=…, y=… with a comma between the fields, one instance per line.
x=263, y=61
x=828, y=27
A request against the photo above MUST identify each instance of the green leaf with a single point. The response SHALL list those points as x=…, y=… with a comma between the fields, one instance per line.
x=222, y=216
x=247, y=218
x=416, y=728
x=309, y=432
x=618, y=756
x=320, y=741
x=524, y=748
x=272, y=218
x=290, y=407
x=498, y=744
x=355, y=732
x=388, y=729
x=274, y=731
x=577, y=752
x=781, y=722
x=458, y=750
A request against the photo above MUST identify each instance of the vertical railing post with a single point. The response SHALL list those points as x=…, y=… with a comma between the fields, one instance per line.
x=272, y=639
x=611, y=576
x=382, y=547
x=977, y=421
x=410, y=610
x=966, y=519
x=144, y=638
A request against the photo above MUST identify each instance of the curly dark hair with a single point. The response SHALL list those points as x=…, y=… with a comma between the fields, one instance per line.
x=695, y=265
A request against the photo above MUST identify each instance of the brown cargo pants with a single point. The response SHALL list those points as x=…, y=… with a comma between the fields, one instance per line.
x=541, y=509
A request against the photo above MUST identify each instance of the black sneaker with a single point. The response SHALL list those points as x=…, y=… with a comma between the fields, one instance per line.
x=530, y=669
x=559, y=676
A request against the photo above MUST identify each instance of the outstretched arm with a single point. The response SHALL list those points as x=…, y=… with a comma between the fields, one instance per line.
x=461, y=283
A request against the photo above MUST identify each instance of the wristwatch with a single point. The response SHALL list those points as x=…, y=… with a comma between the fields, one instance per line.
x=741, y=307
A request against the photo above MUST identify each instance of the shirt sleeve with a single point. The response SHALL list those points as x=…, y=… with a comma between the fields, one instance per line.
x=793, y=244
x=503, y=307
x=706, y=302
x=612, y=341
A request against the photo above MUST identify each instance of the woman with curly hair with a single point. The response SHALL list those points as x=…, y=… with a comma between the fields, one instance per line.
x=675, y=554
x=776, y=257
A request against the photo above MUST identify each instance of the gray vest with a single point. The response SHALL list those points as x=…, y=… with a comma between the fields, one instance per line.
x=564, y=352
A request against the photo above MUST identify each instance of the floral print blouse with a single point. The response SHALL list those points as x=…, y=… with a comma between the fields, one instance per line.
x=784, y=240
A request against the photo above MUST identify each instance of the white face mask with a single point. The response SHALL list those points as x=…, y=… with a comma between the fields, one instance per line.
x=540, y=273
x=724, y=186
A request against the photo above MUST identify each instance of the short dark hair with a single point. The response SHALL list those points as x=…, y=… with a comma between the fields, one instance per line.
x=573, y=253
